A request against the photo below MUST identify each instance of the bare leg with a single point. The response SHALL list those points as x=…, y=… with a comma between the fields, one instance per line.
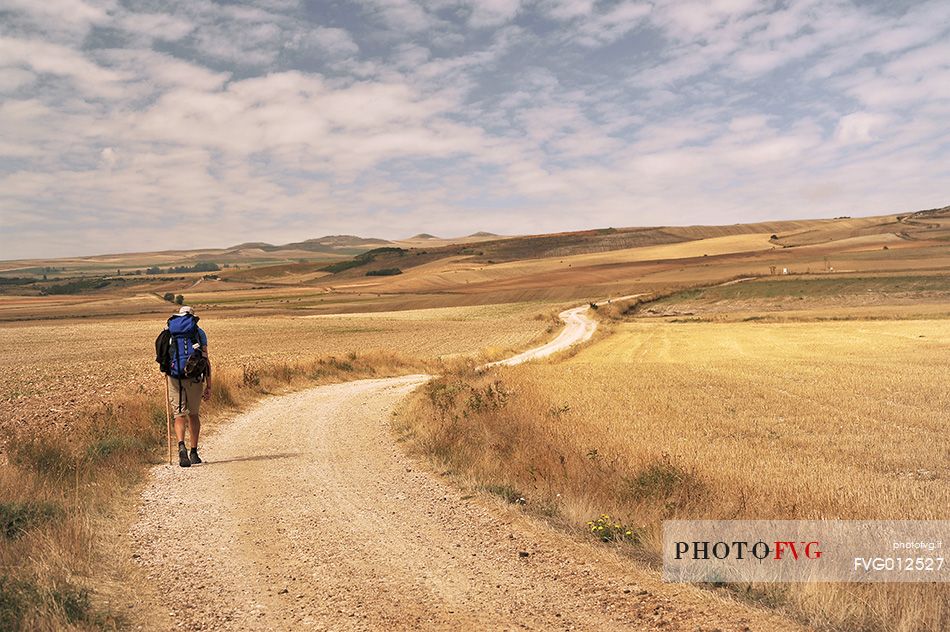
x=180, y=427
x=195, y=427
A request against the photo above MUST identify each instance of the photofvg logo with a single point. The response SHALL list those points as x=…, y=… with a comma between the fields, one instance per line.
x=723, y=551
x=740, y=550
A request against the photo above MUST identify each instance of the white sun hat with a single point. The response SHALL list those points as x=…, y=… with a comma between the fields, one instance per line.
x=185, y=309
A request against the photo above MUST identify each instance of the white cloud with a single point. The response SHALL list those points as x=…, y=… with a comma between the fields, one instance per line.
x=156, y=25
x=607, y=27
x=265, y=121
x=12, y=79
x=401, y=15
x=157, y=71
x=46, y=58
x=493, y=12
x=333, y=41
x=60, y=19
x=859, y=127
x=109, y=157
x=567, y=9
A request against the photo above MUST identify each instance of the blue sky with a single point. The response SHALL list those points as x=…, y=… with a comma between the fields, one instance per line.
x=140, y=125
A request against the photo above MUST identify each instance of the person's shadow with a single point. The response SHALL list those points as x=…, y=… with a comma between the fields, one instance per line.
x=259, y=457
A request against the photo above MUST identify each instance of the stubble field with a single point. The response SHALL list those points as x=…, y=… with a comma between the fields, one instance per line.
x=83, y=411
x=814, y=420
x=49, y=372
x=818, y=394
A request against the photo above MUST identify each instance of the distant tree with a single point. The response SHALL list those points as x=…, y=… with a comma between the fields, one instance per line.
x=153, y=270
x=773, y=237
x=180, y=299
x=384, y=272
x=204, y=266
x=44, y=276
x=169, y=297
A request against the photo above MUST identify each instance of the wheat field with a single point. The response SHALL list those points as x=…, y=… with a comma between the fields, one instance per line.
x=83, y=413
x=48, y=371
x=830, y=420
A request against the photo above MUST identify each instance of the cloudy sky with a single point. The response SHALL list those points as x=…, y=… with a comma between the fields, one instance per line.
x=144, y=124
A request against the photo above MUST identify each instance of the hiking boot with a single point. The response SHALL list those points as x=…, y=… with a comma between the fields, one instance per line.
x=193, y=456
x=183, y=459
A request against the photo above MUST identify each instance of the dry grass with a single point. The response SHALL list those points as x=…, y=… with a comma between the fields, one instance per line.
x=82, y=425
x=720, y=420
x=49, y=371
x=828, y=296
x=59, y=481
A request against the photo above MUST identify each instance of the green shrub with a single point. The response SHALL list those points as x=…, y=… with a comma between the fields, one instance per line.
x=665, y=482
x=22, y=600
x=384, y=272
x=509, y=493
x=45, y=455
x=340, y=365
x=109, y=446
x=74, y=602
x=17, y=518
x=17, y=599
x=77, y=287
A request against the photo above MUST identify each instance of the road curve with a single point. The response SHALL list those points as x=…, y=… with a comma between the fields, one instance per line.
x=578, y=328
x=307, y=515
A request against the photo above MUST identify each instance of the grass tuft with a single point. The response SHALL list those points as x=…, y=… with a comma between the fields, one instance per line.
x=507, y=492
x=666, y=482
x=16, y=518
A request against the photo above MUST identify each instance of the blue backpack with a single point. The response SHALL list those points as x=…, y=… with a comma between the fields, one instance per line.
x=177, y=345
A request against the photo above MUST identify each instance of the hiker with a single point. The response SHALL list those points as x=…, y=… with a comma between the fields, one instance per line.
x=182, y=353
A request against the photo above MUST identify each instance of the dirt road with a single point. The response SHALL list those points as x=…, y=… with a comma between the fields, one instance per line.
x=307, y=515
x=578, y=327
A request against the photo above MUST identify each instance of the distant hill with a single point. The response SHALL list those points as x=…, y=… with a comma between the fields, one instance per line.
x=260, y=245
x=329, y=244
x=326, y=243
x=340, y=241
x=486, y=247
x=933, y=212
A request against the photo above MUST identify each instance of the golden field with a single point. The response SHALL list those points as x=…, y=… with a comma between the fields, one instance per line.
x=84, y=413
x=736, y=393
x=50, y=371
x=560, y=267
x=826, y=420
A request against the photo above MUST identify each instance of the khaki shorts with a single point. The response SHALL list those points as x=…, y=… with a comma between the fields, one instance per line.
x=190, y=400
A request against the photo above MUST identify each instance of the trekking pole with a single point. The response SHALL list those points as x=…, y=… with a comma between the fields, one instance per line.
x=168, y=419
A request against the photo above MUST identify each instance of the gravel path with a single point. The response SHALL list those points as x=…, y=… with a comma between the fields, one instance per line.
x=578, y=327
x=306, y=515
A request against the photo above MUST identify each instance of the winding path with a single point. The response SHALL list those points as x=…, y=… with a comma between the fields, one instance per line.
x=307, y=515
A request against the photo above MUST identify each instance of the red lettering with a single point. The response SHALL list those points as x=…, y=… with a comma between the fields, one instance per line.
x=780, y=546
